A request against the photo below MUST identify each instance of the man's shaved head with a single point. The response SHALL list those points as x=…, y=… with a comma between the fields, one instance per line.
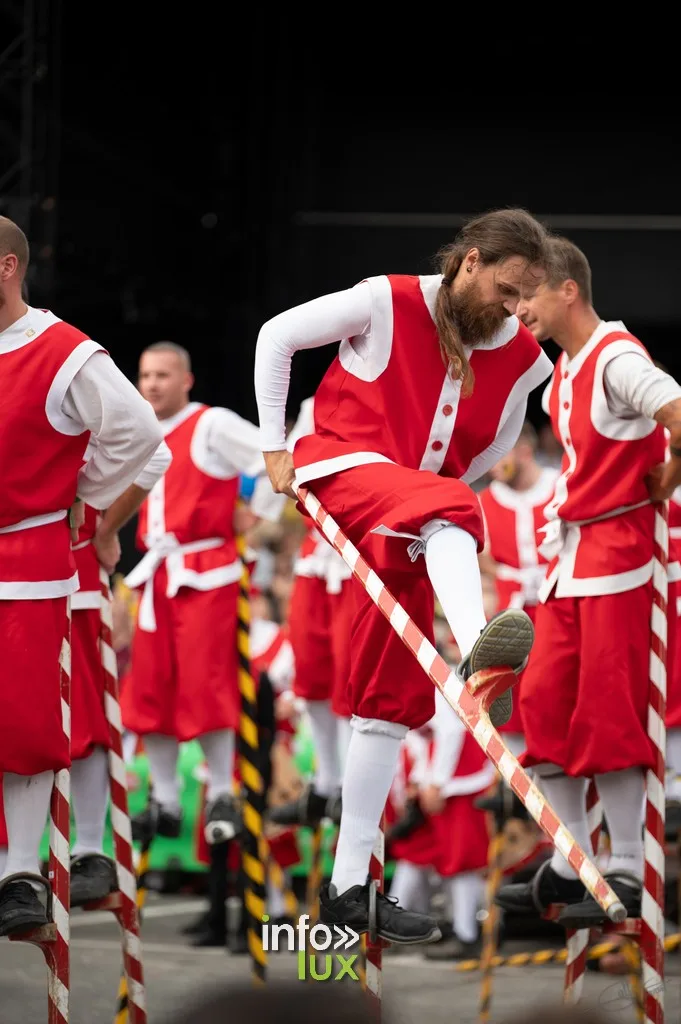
x=13, y=242
x=171, y=346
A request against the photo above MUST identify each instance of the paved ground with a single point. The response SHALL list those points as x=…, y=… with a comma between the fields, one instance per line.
x=414, y=990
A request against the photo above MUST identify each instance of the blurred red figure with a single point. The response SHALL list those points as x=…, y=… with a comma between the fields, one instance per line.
x=183, y=679
x=321, y=611
x=513, y=511
x=434, y=825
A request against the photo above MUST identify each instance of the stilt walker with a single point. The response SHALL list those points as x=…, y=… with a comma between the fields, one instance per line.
x=61, y=388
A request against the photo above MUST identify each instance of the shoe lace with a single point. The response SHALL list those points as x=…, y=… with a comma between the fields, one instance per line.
x=387, y=899
x=21, y=893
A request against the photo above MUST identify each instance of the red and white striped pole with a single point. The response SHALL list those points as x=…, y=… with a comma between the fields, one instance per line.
x=652, y=905
x=57, y=953
x=471, y=702
x=124, y=903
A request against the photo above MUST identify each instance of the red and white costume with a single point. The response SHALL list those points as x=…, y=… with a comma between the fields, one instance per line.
x=584, y=699
x=54, y=396
x=513, y=521
x=395, y=448
x=320, y=617
x=183, y=679
x=321, y=609
x=89, y=727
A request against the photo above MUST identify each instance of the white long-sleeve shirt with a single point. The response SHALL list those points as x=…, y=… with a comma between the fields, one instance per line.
x=124, y=428
x=322, y=321
x=636, y=387
x=226, y=446
x=152, y=472
x=102, y=400
x=155, y=468
x=633, y=385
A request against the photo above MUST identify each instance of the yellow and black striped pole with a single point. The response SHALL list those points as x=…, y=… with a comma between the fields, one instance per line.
x=122, y=1016
x=252, y=782
x=555, y=956
x=490, y=927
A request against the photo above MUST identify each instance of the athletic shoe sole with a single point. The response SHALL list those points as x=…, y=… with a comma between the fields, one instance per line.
x=506, y=640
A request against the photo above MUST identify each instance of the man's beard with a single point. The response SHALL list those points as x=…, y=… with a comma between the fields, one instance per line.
x=476, y=323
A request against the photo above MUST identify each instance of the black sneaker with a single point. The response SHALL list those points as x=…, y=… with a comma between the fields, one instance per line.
x=587, y=913
x=308, y=810
x=403, y=927
x=156, y=820
x=223, y=820
x=506, y=640
x=21, y=909
x=535, y=896
x=412, y=818
x=93, y=876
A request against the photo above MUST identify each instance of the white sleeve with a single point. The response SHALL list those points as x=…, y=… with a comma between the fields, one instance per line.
x=635, y=386
x=264, y=503
x=322, y=321
x=126, y=432
x=500, y=446
x=155, y=468
x=234, y=442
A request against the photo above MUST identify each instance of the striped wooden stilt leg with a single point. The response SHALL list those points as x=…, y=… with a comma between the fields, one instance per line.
x=652, y=910
x=373, y=977
x=471, y=702
x=123, y=904
x=53, y=939
x=578, y=941
x=122, y=1001
x=60, y=856
x=252, y=782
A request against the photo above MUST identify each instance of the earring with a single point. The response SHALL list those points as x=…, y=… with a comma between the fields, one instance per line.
x=469, y=270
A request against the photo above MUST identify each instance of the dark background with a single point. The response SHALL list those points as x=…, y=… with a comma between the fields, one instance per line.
x=190, y=177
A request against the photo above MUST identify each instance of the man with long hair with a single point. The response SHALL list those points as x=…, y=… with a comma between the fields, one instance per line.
x=429, y=389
